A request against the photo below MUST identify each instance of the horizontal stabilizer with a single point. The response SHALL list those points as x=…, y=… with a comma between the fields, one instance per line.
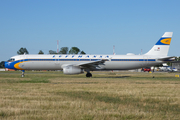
x=167, y=59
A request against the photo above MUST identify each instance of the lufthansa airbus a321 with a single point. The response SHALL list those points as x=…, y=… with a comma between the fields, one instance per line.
x=76, y=64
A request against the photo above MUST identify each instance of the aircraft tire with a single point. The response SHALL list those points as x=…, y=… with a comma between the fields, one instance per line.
x=88, y=75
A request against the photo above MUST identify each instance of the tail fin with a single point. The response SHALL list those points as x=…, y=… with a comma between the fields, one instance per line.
x=162, y=46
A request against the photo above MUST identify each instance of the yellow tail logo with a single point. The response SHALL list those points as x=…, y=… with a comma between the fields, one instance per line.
x=166, y=41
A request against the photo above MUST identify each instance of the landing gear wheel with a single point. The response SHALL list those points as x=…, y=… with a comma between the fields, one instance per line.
x=88, y=75
x=22, y=73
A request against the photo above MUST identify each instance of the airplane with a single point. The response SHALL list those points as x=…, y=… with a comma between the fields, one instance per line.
x=77, y=64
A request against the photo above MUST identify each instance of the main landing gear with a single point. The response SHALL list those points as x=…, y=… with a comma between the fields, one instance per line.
x=88, y=74
x=23, y=71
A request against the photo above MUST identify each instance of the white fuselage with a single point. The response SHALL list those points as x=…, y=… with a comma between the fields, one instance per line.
x=57, y=62
x=76, y=64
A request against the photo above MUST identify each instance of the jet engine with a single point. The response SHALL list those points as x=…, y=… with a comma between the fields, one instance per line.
x=72, y=70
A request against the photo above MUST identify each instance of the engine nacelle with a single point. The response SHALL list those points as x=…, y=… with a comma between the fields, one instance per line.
x=72, y=70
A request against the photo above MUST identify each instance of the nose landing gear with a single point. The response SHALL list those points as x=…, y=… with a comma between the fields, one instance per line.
x=23, y=71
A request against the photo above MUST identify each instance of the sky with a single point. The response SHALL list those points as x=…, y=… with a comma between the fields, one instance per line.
x=93, y=26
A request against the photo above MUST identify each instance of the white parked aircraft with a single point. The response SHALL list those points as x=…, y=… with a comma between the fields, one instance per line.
x=76, y=64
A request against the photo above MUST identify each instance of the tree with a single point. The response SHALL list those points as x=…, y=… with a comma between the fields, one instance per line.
x=82, y=52
x=64, y=50
x=177, y=58
x=22, y=51
x=52, y=52
x=74, y=50
x=2, y=64
x=41, y=52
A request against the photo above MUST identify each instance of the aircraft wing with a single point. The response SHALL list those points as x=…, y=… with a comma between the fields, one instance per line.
x=92, y=64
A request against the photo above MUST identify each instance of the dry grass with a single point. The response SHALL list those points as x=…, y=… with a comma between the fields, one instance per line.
x=119, y=95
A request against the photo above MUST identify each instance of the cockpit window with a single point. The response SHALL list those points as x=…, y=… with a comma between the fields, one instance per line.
x=11, y=60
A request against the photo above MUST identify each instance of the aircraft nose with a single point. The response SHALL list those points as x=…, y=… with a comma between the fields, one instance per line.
x=9, y=65
x=6, y=65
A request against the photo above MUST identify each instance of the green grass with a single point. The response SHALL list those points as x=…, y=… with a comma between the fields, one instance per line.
x=118, y=95
x=35, y=80
x=152, y=104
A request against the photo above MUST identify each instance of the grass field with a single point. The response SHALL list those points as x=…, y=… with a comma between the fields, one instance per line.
x=106, y=96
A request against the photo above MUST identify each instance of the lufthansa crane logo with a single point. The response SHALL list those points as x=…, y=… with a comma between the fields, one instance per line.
x=166, y=41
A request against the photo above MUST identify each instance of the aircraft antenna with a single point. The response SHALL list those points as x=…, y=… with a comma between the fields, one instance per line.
x=141, y=51
x=114, y=50
x=57, y=46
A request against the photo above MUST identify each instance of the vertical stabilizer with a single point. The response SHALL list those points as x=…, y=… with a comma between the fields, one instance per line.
x=162, y=46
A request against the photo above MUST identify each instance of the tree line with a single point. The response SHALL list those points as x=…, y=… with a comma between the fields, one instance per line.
x=63, y=50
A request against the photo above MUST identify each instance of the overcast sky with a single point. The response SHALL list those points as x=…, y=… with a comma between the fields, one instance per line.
x=94, y=26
